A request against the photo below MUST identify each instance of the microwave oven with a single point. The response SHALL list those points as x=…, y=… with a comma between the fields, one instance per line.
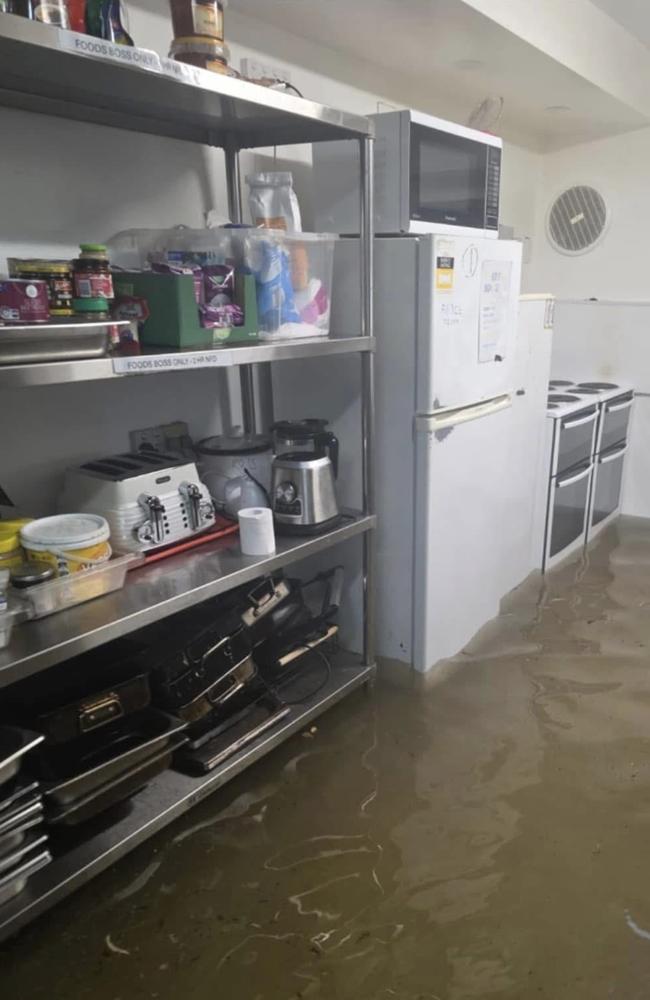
x=431, y=176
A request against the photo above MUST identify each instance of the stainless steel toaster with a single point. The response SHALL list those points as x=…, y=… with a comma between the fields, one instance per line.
x=149, y=499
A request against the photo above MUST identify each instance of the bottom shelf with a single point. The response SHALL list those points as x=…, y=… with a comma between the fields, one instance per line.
x=164, y=800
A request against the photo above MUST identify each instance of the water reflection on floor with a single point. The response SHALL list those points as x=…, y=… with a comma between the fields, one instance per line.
x=485, y=837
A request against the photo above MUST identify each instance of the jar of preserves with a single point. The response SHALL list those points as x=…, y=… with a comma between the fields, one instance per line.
x=204, y=53
x=92, y=273
x=48, y=11
x=57, y=274
x=198, y=17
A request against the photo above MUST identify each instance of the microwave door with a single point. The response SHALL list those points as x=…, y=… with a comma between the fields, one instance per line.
x=451, y=176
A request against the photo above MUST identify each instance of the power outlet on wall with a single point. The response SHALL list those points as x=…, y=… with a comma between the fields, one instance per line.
x=164, y=437
x=254, y=69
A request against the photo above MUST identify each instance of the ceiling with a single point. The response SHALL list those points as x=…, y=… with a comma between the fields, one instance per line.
x=633, y=15
x=442, y=56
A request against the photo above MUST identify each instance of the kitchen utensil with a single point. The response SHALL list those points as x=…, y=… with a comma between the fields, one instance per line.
x=310, y=434
x=17, y=795
x=234, y=734
x=149, y=499
x=14, y=828
x=92, y=711
x=256, y=534
x=304, y=494
x=13, y=883
x=79, y=768
x=55, y=341
x=203, y=667
x=114, y=792
x=221, y=693
x=19, y=854
x=14, y=744
x=222, y=459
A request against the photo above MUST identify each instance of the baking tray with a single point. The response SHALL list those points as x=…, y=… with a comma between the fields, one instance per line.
x=114, y=792
x=12, y=840
x=17, y=796
x=63, y=340
x=14, y=744
x=14, y=858
x=19, y=816
x=14, y=883
x=90, y=712
x=79, y=768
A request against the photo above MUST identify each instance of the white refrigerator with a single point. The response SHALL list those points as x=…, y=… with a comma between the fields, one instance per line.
x=445, y=322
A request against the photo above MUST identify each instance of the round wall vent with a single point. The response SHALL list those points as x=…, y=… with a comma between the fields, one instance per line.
x=577, y=220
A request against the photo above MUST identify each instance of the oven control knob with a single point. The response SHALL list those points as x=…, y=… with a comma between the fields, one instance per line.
x=286, y=492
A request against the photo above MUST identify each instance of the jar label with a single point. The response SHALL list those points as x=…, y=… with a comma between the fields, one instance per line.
x=51, y=12
x=208, y=19
x=93, y=286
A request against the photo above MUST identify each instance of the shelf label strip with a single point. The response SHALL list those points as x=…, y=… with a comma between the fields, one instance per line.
x=149, y=364
x=86, y=45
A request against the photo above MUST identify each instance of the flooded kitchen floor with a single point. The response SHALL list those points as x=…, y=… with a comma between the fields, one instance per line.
x=485, y=837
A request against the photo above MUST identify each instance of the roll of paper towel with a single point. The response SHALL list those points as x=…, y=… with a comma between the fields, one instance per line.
x=256, y=533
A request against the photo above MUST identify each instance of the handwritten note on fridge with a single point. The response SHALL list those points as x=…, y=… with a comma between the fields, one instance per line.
x=496, y=277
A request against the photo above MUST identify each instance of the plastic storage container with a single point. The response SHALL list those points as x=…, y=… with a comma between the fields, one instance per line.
x=293, y=275
x=11, y=553
x=66, y=592
x=70, y=543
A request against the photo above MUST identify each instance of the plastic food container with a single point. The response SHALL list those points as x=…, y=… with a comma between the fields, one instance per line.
x=293, y=275
x=68, y=591
x=11, y=554
x=204, y=53
x=69, y=542
x=7, y=621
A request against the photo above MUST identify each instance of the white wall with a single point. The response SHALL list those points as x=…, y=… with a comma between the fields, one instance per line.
x=617, y=268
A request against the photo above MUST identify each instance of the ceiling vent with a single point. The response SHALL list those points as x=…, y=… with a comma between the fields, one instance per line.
x=577, y=220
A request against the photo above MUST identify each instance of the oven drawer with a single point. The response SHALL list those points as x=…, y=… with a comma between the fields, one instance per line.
x=608, y=481
x=575, y=436
x=568, y=507
x=615, y=422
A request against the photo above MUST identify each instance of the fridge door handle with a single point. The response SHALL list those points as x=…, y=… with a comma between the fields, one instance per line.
x=567, y=425
x=431, y=422
x=619, y=406
x=561, y=483
x=612, y=456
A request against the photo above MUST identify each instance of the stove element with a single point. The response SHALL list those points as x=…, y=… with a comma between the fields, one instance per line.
x=597, y=385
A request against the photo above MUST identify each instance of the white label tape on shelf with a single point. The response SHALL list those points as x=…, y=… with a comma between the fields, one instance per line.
x=149, y=364
x=86, y=45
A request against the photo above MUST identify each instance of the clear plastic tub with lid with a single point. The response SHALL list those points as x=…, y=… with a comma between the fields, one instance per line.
x=293, y=275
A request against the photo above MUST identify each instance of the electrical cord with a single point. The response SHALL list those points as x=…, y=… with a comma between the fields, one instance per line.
x=278, y=688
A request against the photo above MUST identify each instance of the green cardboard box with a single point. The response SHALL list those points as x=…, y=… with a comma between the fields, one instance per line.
x=173, y=319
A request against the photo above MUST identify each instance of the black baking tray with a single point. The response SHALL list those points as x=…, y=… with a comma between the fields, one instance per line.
x=114, y=792
x=16, y=795
x=76, y=769
x=95, y=710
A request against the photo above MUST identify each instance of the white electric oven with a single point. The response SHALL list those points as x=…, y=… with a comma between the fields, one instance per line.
x=431, y=176
x=571, y=434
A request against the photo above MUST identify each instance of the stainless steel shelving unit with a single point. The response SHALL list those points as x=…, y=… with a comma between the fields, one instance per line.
x=47, y=71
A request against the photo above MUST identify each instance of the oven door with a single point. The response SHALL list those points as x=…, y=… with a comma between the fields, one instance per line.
x=608, y=482
x=454, y=180
x=567, y=513
x=574, y=442
x=616, y=418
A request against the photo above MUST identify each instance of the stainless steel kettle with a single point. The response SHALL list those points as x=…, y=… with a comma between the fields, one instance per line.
x=304, y=493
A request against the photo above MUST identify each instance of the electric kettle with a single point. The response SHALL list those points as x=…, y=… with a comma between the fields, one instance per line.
x=303, y=492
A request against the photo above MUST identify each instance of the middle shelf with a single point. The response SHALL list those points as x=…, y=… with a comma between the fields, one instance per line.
x=154, y=592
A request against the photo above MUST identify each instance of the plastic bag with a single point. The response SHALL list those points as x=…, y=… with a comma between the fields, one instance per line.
x=273, y=202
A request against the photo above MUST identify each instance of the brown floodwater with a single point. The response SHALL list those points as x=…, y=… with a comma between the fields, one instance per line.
x=487, y=836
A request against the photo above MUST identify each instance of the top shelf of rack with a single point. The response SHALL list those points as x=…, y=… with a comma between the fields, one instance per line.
x=49, y=71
